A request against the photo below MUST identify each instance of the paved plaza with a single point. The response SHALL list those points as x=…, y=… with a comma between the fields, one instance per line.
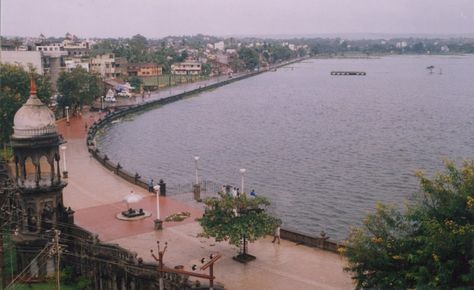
x=96, y=194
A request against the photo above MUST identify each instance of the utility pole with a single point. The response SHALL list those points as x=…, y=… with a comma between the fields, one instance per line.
x=159, y=259
x=207, y=264
x=6, y=190
x=2, y=266
x=56, y=250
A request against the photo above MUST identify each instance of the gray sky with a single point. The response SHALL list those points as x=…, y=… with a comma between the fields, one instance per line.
x=158, y=18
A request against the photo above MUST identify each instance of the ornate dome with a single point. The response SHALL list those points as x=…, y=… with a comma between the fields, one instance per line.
x=34, y=118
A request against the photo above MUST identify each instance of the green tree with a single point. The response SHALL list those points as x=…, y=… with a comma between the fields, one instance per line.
x=78, y=88
x=430, y=246
x=138, y=46
x=249, y=56
x=136, y=83
x=15, y=90
x=280, y=53
x=206, y=69
x=238, y=220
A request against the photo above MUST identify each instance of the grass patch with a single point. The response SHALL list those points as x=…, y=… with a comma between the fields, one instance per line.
x=178, y=217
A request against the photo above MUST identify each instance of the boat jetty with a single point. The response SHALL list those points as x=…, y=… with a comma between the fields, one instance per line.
x=348, y=73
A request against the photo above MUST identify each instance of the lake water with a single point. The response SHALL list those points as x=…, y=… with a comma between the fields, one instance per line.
x=323, y=148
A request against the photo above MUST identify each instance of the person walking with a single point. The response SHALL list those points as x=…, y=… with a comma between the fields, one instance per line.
x=276, y=234
x=150, y=185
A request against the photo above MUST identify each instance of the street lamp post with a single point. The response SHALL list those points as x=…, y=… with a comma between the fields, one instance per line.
x=67, y=115
x=242, y=173
x=158, y=221
x=197, y=186
x=63, y=150
x=196, y=159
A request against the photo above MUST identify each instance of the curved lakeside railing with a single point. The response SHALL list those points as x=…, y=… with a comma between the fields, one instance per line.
x=321, y=242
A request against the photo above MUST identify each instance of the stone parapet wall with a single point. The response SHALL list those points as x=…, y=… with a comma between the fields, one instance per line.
x=109, y=266
x=321, y=242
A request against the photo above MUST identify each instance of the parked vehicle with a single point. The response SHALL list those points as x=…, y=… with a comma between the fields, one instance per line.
x=124, y=94
x=110, y=97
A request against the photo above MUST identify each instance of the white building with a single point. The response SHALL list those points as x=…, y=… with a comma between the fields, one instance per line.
x=51, y=47
x=219, y=45
x=75, y=62
x=401, y=44
x=24, y=59
x=444, y=48
x=186, y=68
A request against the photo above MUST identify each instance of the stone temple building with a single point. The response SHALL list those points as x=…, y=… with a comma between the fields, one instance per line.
x=35, y=143
x=39, y=215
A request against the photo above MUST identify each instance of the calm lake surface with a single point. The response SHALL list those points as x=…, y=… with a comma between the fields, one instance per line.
x=323, y=148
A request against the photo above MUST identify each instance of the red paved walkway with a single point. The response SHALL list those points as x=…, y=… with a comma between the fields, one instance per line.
x=102, y=219
x=96, y=194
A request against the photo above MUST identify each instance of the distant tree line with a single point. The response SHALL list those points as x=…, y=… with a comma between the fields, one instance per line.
x=392, y=46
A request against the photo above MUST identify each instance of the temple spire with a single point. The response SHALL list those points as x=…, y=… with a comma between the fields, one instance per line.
x=32, y=87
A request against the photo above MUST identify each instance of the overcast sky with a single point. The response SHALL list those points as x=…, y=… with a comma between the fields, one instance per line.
x=158, y=18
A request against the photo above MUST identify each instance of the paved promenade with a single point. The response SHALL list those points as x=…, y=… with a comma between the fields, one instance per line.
x=96, y=195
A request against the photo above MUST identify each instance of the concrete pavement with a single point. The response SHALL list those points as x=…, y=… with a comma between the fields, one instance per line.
x=96, y=195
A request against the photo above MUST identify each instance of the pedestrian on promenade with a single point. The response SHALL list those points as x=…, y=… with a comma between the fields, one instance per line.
x=253, y=194
x=276, y=234
x=150, y=185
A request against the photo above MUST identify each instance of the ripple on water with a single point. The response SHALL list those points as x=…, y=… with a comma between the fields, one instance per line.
x=325, y=149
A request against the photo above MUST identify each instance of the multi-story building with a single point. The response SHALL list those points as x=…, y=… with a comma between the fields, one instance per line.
x=53, y=48
x=186, y=68
x=106, y=66
x=121, y=67
x=24, y=59
x=71, y=64
x=144, y=70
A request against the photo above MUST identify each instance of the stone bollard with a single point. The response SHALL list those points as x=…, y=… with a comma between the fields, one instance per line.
x=158, y=224
x=137, y=177
x=162, y=185
x=323, y=240
x=70, y=215
x=197, y=192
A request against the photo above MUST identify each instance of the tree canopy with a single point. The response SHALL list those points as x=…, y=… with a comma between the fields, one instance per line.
x=249, y=56
x=78, y=88
x=237, y=219
x=15, y=90
x=430, y=246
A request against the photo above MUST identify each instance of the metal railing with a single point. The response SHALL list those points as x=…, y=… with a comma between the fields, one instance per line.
x=208, y=186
